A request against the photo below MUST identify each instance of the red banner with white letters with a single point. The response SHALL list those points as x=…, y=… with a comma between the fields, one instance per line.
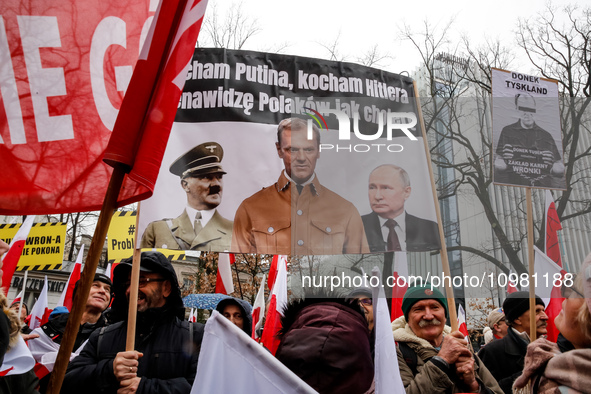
x=64, y=67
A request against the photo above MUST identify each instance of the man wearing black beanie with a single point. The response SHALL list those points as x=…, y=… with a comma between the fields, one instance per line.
x=504, y=357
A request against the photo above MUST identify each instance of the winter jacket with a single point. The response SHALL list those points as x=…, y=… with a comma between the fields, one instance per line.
x=326, y=343
x=170, y=346
x=430, y=378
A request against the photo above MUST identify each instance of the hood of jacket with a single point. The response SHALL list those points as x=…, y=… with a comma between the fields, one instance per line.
x=326, y=342
x=244, y=306
x=403, y=333
x=155, y=262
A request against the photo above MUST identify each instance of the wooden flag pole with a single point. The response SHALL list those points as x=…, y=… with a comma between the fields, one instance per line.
x=531, y=261
x=86, y=278
x=134, y=287
x=451, y=303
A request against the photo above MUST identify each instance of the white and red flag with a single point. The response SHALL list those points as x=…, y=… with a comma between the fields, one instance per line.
x=11, y=258
x=462, y=327
x=192, y=316
x=67, y=297
x=258, y=309
x=400, y=285
x=19, y=297
x=277, y=304
x=40, y=312
x=224, y=283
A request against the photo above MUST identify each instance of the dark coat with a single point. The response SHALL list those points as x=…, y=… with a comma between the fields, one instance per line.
x=421, y=234
x=169, y=363
x=326, y=343
x=504, y=359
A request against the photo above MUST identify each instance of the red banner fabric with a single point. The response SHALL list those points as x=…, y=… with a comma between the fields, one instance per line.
x=67, y=66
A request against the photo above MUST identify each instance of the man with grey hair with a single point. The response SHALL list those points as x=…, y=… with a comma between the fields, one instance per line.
x=389, y=227
x=297, y=215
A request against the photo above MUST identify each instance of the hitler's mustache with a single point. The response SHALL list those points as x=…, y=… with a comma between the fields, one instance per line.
x=215, y=189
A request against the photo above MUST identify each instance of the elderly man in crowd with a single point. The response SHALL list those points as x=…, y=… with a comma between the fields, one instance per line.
x=167, y=348
x=504, y=358
x=433, y=359
x=497, y=326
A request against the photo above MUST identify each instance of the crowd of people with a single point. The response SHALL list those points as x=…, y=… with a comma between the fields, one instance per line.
x=328, y=342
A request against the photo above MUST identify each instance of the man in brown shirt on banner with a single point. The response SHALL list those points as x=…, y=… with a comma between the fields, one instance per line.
x=297, y=215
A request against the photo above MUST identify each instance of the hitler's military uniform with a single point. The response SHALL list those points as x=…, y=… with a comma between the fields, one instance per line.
x=202, y=161
x=179, y=234
x=279, y=220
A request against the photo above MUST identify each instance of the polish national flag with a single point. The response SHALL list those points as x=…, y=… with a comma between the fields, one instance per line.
x=547, y=271
x=18, y=298
x=552, y=245
x=273, y=271
x=40, y=312
x=109, y=271
x=67, y=297
x=10, y=260
x=277, y=304
x=258, y=309
x=462, y=327
x=400, y=271
x=192, y=316
x=224, y=283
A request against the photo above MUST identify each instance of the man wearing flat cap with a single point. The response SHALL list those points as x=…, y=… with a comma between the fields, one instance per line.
x=432, y=359
x=504, y=357
x=200, y=226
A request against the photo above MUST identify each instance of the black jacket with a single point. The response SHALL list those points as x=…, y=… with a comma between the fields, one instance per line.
x=504, y=359
x=170, y=346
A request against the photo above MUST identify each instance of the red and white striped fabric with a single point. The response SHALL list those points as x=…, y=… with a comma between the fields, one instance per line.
x=10, y=260
x=40, y=312
x=462, y=327
x=192, y=316
x=224, y=283
x=258, y=309
x=277, y=304
x=400, y=271
x=67, y=297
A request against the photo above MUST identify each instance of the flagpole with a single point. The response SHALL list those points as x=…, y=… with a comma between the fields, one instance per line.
x=133, y=288
x=86, y=279
x=531, y=261
x=451, y=303
x=20, y=304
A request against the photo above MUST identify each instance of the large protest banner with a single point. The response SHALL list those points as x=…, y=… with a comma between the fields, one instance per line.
x=44, y=248
x=227, y=123
x=527, y=138
x=64, y=69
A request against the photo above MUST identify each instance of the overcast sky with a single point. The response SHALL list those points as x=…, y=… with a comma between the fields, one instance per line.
x=305, y=24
